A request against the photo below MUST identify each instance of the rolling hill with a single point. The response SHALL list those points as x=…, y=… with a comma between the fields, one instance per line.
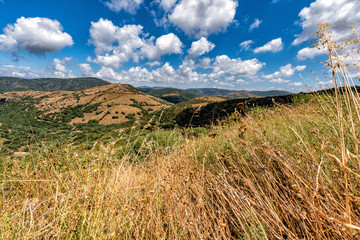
x=236, y=94
x=10, y=84
x=108, y=104
x=178, y=95
x=173, y=95
x=90, y=114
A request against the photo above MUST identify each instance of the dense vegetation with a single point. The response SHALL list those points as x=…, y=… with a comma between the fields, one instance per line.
x=173, y=95
x=23, y=125
x=8, y=84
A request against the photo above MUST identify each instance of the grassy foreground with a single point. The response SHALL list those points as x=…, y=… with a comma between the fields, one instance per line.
x=274, y=174
x=289, y=172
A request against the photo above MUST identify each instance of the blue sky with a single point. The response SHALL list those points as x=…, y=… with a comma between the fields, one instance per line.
x=229, y=44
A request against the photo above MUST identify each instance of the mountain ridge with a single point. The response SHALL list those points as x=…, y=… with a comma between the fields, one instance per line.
x=13, y=84
x=214, y=92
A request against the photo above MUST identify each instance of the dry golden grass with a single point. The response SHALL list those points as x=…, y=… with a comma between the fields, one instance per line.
x=290, y=172
x=264, y=177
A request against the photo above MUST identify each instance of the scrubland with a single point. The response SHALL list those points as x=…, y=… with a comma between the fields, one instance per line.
x=287, y=172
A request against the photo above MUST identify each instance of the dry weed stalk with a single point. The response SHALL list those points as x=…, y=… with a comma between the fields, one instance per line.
x=289, y=172
x=348, y=116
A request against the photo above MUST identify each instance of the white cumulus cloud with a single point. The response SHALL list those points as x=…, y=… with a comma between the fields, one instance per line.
x=167, y=5
x=222, y=69
x=296, y=84
x=331, y=12
x=279, y=80
x=115, y=45
x=286, y=71
x=275, y=45
x=86, y=69
x=35, y=35
x=200, y=47
x=130, y=6
x=237, y=67
x=154, y=63
x=166, y=44
x=205, y=63
x=203, y=17
x=308, y=52
x=60, y=69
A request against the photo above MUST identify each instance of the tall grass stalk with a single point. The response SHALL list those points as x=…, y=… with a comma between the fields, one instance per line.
x=348, y=95
x=288, y=172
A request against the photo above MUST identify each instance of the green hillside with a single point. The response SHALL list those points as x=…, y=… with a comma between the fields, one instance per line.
x=209, y=91
x=9, y=84
x=174, y=95
x=191, y=93
x=270, y=93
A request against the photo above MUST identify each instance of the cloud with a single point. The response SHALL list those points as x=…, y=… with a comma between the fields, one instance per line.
x=203, y=17
x=86, y=69
x=21, y=72
x=279, y=80
x=308, y=52
x=237, y=67
x=204, y=63
x=166, y=44
x=154, y=63
x=326, y=84
x=35, y=35
x=286, y=71
x=296, y=84
x=130, y=6
x=137, y=75
x=60, y=69
x=255, y=24
x=275, y=45
x=240, y=81
x=331, y=12
x=222, y=69
x=200, y=47
x=246, y=45
x=115, y=45
x=167, y=5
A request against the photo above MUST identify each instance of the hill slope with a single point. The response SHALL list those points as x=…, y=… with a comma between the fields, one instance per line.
x=8, y=84
x=108, y=104
x=174, y=95
x=236, y=94
x=70, y=115
x=178, y=95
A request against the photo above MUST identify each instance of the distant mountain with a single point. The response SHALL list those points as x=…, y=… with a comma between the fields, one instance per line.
x=146, y=89
x=216, y=92
x=209, y=91
x=236, y=94
x=270, y=93
x=8, y=84
x=173, y=95
x=239, y=94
